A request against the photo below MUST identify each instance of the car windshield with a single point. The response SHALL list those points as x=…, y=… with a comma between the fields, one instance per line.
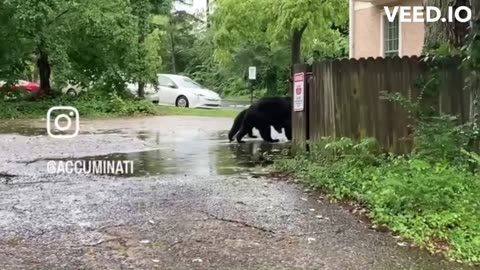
x=189, y=83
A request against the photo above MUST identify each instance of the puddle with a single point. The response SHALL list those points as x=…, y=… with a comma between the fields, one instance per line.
x=234, y=158
x=27, y=129
x=23, y=129
x=216, y=159
x=200, y=158
x=180, y=152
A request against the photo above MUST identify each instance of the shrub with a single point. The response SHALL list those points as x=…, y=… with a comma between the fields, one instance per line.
x=422, y=198
x=90, y=104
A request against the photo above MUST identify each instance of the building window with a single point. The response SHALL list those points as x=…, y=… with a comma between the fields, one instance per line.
x=391, y=32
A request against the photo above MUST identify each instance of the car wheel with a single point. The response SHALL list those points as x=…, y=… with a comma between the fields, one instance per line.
x=182, y=102
x=71, y=92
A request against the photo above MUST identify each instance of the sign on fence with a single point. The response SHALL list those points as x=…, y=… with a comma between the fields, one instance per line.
x=298, y=92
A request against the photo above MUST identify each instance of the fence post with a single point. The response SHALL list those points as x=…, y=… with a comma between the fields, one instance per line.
x=300, y=102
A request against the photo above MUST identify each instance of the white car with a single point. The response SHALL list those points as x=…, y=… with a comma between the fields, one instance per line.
x=181, y=91
x=150, y=91
x=72, y=89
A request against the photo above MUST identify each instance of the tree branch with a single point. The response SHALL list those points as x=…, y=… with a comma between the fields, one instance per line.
x=304, y=27
x=58, y=17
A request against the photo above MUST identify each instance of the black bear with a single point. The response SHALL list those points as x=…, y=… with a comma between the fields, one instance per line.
x=266, y=112
x=237, y=124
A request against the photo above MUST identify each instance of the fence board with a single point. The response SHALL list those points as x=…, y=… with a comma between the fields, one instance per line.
x=345, y=99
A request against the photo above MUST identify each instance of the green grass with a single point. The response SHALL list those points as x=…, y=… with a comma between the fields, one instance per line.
x=240, y=98
x=165, y=110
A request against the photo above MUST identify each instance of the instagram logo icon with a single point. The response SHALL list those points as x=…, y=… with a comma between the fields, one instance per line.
x=63, y=116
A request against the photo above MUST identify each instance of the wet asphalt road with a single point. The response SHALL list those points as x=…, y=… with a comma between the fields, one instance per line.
x=193, y=202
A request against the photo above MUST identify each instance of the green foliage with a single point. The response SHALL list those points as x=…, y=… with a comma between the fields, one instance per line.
x=442, y=139
x=147, y=58
x=94, y=103
x=97, y=102
x=271, y=23
x=85, y=41
x=438, y=136
x=425, y=200
x=12, y=58
x=9, y=94
x=257, y=33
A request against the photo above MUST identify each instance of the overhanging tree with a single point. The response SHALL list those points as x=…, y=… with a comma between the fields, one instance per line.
x=143, y=11
x=63, y=35
x=258, y=33
x=294, y=19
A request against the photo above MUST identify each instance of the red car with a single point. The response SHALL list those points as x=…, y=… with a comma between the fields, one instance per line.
x=24, y=85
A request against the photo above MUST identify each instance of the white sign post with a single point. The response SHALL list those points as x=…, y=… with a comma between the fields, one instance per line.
x=299, y=92
x=252, y=73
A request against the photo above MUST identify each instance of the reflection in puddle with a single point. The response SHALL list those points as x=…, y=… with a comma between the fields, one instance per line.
x=214, y=159
x=234, y=157
x=206, y=157
x=181, y=152
x=24, y=130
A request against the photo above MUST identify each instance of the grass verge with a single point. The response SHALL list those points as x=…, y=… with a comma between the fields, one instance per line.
x=241, y=98
x=164, y=110
x=434, y=204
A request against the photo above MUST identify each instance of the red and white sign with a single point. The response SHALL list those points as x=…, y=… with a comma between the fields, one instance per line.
x=298, y=92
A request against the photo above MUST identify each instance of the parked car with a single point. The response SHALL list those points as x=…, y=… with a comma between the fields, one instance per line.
x=181, y=91
x=72, y=89
x=23, y=85
x=151, y=92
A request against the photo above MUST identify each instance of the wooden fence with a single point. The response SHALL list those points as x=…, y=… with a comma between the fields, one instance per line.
x=343, y=98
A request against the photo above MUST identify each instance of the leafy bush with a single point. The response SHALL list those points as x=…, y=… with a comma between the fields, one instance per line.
x=90, y=104
x=8, y=94
x=426, y=200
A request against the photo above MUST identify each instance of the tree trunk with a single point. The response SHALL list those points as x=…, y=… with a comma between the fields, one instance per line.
x=459, y=31
x=296, y=45
x=271, y=81
x=142, y=11
x=141, y=82
x=208, y=14
x=296, y=51
x=35, y=75
x=474, y=54
x=435, y=32
x=44, y=72
x=439, y=34
x=172, y=48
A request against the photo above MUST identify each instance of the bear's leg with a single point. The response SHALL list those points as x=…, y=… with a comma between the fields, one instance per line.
x=288, y=130
x=250, y=134
x=278, y=128
x=265, y=132
x=244, y=130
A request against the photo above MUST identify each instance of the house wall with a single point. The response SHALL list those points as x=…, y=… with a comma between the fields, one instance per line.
x=413, y=34
x=368, y=31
